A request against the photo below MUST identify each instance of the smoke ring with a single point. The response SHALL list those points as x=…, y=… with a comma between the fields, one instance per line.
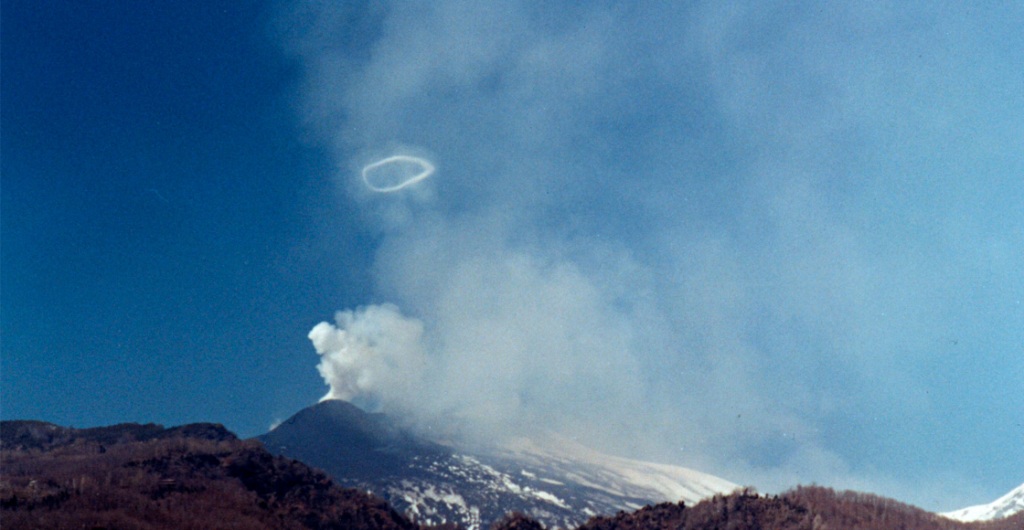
x=426, y=171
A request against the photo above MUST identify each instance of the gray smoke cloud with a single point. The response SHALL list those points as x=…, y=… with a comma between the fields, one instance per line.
x=736, y=237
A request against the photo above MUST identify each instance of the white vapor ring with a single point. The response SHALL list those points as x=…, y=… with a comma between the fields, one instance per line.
x=428, y=169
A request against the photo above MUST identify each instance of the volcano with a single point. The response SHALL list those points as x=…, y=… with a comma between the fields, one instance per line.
x=555, y=481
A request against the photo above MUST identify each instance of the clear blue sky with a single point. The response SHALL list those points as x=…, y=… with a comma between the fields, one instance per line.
x=164, y=246
x=782, y=245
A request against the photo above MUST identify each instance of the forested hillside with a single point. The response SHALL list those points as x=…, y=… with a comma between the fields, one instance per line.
x=146, y=477
x=804, y=508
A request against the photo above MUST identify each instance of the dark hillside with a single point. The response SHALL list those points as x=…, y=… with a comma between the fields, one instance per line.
x=47, y=436
x=805, y=508
x=147, y=477
x=337, y=436
x=739, y=511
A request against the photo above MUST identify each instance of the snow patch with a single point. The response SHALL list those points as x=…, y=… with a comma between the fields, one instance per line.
x=1004, y=506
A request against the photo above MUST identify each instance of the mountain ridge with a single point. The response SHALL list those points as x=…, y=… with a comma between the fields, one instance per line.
x=560, y=483
x=349, y=435
x=1006, y=506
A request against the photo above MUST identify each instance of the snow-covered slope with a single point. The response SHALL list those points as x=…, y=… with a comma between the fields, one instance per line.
x=556, y=481
x=617, y=476
x=1004, y=506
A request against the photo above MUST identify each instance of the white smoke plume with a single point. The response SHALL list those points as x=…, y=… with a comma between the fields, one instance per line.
x=372, y=353
x=515, y=343
x=740, y=238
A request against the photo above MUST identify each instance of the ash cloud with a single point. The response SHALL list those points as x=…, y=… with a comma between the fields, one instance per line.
x=739, y=238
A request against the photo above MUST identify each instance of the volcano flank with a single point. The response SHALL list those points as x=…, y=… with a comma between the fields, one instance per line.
x=558, y=482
